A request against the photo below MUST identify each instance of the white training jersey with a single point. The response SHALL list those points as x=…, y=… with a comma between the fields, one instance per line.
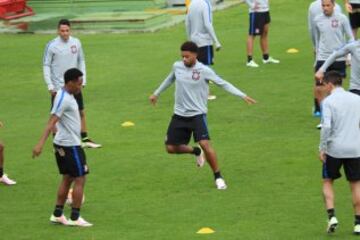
x=68, y=127
x=59, y=57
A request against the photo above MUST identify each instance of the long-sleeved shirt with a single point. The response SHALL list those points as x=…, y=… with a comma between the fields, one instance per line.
x=198, y=22
x=354, y=49
x=315, y=9
x=340, y=132
x=330, y=34
x=59, y=57
x=258, y=5
x=192, y=88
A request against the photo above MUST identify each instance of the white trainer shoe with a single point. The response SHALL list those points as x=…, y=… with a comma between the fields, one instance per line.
x=332, y=224
x=252, y=63
x=319, y=126
x=200, y=160
x=357, y=229
x=6, y=180
x=270, y=60
x=59, y=220
x=88, y=143
x=220, y=184
x=80, y=222
x=211, y=97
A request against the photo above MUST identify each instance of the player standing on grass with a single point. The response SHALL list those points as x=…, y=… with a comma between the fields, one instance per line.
x=200, y=30
x=191, y=88
x=315, y=10
x=331, y=32
x=259, y=14
x=61, y=54
x=353, y=8
x=69, y=154
x=339, y=145
x=3, y=177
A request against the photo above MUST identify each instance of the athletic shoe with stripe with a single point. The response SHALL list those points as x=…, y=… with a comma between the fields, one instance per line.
x=80, y=222
x=252, y=63
x=200, y=160
x=87, y=142
x=59, y=220
x=332, y=224
x=270, y=60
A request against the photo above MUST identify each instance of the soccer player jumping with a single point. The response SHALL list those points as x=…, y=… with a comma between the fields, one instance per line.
x=191, y=89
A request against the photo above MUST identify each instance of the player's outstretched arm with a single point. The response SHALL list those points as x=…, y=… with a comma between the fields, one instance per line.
x=50, y=125
x=319, y=75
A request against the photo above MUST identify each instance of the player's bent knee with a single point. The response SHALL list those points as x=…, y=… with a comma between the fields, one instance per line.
x=170, y=149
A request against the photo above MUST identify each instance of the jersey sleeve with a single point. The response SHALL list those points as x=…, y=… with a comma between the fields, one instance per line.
x=59, y=104
x=47, y=60
x=208, y=23
x=169, y=80
x=342, y=52
x=326, y=126
x=81, y=62
x=210, y=75
x=347, y=29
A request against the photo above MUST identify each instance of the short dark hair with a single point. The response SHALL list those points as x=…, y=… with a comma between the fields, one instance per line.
x=189, y=46
x=72, y=74
x=333, y=77
x=332, y=1
x=64, y=22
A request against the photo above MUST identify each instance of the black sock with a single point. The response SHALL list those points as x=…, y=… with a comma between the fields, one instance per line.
x=217, y=175
x=75, y=214
x=331, y=212
x=316, y=105
x=357, y=219
x=265, y=56
x=196, y=151
x=84, y=136
x=58, y=210
x=249, y=58
x=1, y=172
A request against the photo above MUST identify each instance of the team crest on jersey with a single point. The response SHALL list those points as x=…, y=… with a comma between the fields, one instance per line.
x=335, y=23
x=257, y=31
x=73, y=49
x=195, y=75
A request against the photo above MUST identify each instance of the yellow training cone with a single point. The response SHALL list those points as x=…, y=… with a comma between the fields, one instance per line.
x=292, y=50
x=205, y=230
x=128, y=124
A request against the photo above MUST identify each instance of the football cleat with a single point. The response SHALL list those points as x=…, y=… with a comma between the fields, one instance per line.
x=80, y=222
x=220, y=184
x=332, y=224
x=252, y=63
x=270, y=60
x=6, y=180
x=58, y=220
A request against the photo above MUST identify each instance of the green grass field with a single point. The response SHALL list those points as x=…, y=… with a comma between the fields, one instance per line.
x=267, y=152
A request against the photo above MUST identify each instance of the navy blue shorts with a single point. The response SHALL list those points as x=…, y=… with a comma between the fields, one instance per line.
x=71, y=161
x=181, y=128
x=339, y=66
x=331, y=168
x=206, y=55
x=257, y=21
x=355, y=16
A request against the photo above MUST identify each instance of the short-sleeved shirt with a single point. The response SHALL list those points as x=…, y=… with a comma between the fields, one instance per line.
x=69, y=125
